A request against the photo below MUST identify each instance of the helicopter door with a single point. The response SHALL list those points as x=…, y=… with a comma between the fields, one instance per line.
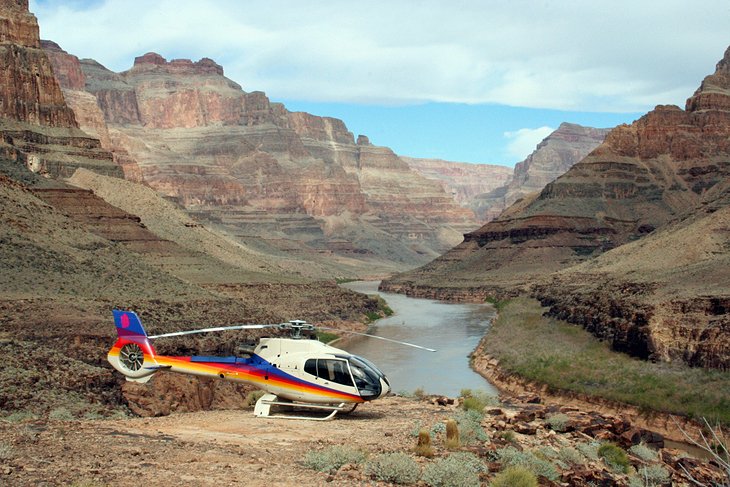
x=332, y=370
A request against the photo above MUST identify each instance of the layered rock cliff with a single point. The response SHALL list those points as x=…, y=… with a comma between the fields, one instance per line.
x=552, y=157
x=34, y=117
x=465, y=182
x=664, y=171
x=252, y=168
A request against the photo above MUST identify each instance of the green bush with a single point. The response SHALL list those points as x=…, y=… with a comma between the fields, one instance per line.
x=510, y=457
x=397, y=468
x=457, y=470
x=477, y=400
x=332, y=458
x=644, y=452
x=516, y=476
x=616, y=459
x=557, y=422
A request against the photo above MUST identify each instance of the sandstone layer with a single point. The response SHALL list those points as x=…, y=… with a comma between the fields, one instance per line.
x=464, y=181
x=34, y=117
x=251, y=168
x=667, y=171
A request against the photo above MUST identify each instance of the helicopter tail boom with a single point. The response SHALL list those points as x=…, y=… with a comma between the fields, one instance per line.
x=132, y=354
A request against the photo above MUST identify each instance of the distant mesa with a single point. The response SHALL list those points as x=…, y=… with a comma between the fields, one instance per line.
x=204, y=66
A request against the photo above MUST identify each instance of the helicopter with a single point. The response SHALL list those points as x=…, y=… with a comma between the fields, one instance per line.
x=293, y=372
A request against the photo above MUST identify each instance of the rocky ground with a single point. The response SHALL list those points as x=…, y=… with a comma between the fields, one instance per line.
x=235, y=448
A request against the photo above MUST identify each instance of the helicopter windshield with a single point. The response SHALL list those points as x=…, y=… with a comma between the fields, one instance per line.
x=367, y=377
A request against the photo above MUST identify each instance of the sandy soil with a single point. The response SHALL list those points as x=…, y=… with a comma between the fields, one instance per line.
x=204, y=448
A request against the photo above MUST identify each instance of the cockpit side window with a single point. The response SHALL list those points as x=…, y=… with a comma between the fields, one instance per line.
x=310, y=366
x=329, y=369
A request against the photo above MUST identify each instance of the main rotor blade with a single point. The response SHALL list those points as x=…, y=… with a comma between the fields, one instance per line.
x=210, y=330
x=379, y=338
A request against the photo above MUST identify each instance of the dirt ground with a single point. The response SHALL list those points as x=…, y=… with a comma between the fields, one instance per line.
x=204, y=448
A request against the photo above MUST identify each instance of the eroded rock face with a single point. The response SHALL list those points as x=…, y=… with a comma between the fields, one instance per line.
x=250, y=165
x=35, y=121
x=30, y=92
x=557, y=153
x=667, y=171
x=463, y=181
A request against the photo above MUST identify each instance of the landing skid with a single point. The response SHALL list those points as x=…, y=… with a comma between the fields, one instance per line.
x=264, y=405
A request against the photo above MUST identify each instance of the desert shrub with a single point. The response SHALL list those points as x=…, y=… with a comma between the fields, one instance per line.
x=516, y=476
x=438, y=429
x=571, y=456
x=477, y=400
x=252, y=397
x=6, y=451
x=557, y=422
x=419, y=393
x=372, y=316
x=457, y=470
x=470, y=426
x=644, y=452
x=510, y=456
x=650, y=476
x=615, y=458
x=423, y=446
x=589, y=450
x=397, y=468
x=20, y=416
x=332, y=458
x=507, y=435
x=93, y=415
x=61, y=414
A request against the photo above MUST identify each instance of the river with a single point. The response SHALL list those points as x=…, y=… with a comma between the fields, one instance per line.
x=454, y=330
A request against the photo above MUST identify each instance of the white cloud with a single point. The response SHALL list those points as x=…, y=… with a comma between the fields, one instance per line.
x=617, y=56
x=522, y=142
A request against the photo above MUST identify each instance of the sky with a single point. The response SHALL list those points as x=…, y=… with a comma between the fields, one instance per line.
x=474, y=81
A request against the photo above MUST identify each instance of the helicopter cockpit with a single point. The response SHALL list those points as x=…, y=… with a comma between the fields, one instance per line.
x=344, y=369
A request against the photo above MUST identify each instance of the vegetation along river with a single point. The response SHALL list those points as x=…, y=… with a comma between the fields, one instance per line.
x=454, y=330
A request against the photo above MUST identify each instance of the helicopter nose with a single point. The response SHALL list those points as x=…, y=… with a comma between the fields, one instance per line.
x=385, y=387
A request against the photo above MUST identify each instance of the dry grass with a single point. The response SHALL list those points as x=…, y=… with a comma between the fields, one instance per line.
x=565, y=357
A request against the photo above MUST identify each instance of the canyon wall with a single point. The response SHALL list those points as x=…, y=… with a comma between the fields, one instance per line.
x=465, y=182
x=251, y=168
x=665, y=172
x=552, y=157
x=35, y=120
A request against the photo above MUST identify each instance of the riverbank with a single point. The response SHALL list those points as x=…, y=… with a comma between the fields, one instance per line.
x=527, y=352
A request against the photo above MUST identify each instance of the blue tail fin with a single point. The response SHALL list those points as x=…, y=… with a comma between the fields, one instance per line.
x=128, y=324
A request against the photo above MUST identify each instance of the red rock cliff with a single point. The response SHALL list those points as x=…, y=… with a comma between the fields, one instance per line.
x=30, y=92
x=34, y=117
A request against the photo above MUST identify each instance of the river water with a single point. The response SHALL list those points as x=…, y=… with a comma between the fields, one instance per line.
x=454, y=330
